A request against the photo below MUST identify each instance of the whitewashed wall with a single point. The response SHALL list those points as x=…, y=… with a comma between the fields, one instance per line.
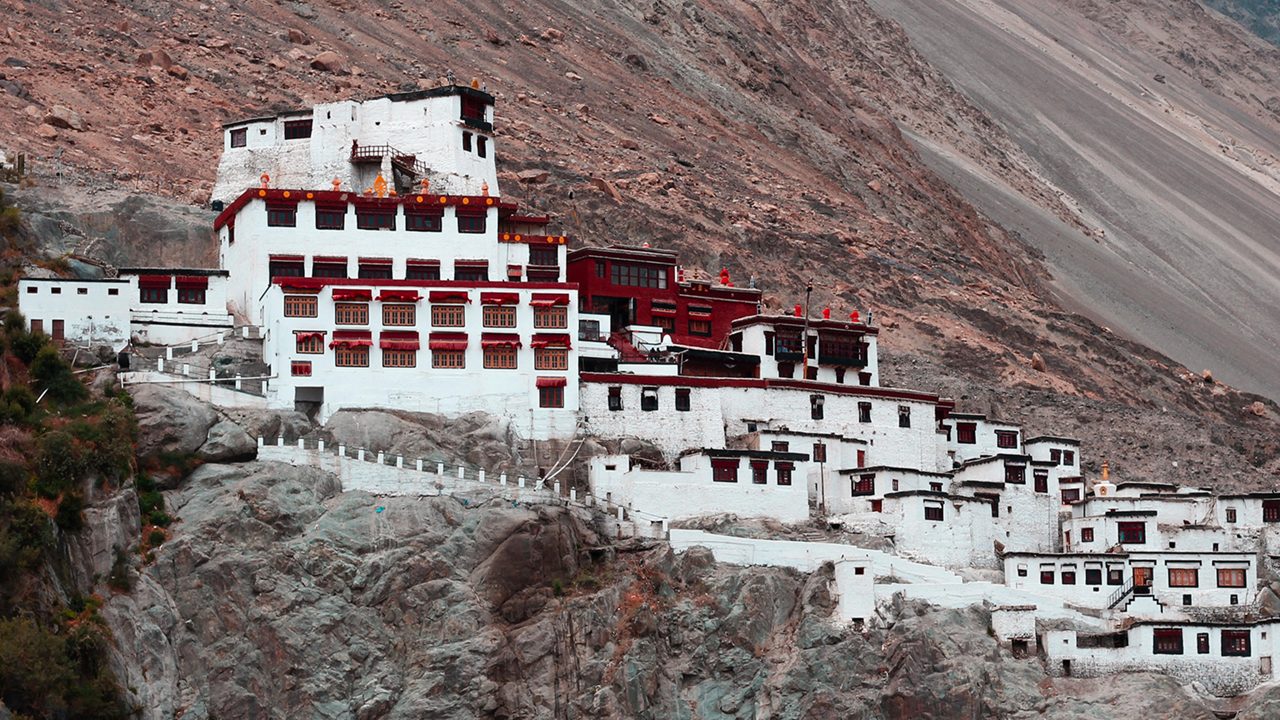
x=91, y=313
x=964, y=538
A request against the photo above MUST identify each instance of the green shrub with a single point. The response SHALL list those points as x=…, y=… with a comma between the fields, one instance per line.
x=55, y=375
x=156, y=537
x=22, y=397
x=33, y=668
x=119, y=578
x=159, y=518
x=13, y=478
x=26, y=345
x=14, y=323
x=59, y=463
x=70, y=515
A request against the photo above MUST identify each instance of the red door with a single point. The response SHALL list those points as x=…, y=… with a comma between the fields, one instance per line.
x=57, y=331
x=1141, y=579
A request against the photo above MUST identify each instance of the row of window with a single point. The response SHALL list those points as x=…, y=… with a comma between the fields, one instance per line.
x=1016, y=474
x=543, y=266
x=495, y=358
x=1168, y=641
x=406, y=314
x=726, y=470
x=700, y=328
x=160, y=296
x=375, y=218
x=55, y=290
x=1178, y=577
x=649, y=399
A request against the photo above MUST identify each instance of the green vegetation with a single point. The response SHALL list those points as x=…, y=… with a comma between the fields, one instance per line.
x=53, y=451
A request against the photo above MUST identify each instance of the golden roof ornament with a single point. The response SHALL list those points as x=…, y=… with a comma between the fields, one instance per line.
x=380, y=186
x=265, y=179
x=337, y=184
x=426, y=185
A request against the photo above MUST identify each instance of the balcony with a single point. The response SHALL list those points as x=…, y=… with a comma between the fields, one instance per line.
x=842, y=359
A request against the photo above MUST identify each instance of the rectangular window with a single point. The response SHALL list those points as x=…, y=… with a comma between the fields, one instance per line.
x=331, y=218
x=1231, y=515
x=1168, y=641
x=399, y=315
x=933, y=512
x=1271, y=511
x=551, y=397
x=420, y=271
x=904, y=416
x=1115, y=576
x=682, y=399
x=113, y=291
x=551, y=317
x=300, y=306
x=286, y=268
x=966, y=433
x=282, y=215
x=864, y=412
x=1068, y=457
x=346, y=356
x=1231, y=577
x=448, y=359
x=1006, y=439
x=600, y=268
x=864, y=485
x=466, y=141
x=1184, y=577
x=1046, y=577
x=471, y=273
x=759, y=472
x=371, y=219
x=615, y=398
x=701, y=328
x=1133, y=533
x=351, y=313
x=239, y=137
x=329, y=269
x=550, y=359
x=422, y=222
x=1086, y=535
x=375, y=271
x=1041, y=478
x=499, y=316
x=471, y=223
x=85, y=291
x=482, y=145
x=784, y=470
x=297, y=129
x=1055, y=456
x=447, y=316
x=544, y=256
x=816, y=406
x=649, y=399
x=1015, y=474
x=309, y=343
x=1235, y=643
x=1068, y=577
x=399, y=358
x=153, y=295
x=500, y=357
x=632, y=275
x=1093, y=576
x=779, y=446
x=300, y=368
x=819, y=452
x=724, y=470
x=1202, y=643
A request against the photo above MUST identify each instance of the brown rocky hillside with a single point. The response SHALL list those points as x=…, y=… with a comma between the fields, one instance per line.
x=789, y=141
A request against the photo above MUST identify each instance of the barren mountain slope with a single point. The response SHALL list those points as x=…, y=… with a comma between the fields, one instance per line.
x=763, y=137
x=1161, y=122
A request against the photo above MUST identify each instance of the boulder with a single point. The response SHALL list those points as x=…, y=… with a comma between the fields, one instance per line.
x=62, y=116
x=552, y=34
x=329, y=61
x=298, y=37
x=607, y=188
x=47, y=131
x=533, y=177
x=1037, y=362
x=170, y=420
x=575, y=77
x=228, y=442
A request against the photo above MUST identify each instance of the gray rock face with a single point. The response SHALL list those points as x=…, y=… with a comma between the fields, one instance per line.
x=478, y=439
x=170, y=420
x=278, y=596
x=228, y=442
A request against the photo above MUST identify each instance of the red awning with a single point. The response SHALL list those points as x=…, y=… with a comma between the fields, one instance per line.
x=352, y=294
x=549, y=300
x=546, y=382
x=449, y=296
x=398, y=340
x=330, y=259
x=399, y=296
x=471, y=263
x=550, y=340
x=351, y=338
x=285, y=258
x=308, y=334
x=299, y=284
x=375, y=261
x=155, y=281
x=499, y=340
x=192, y=282
x=499, y=298
x=422, y=263
x=447, y=341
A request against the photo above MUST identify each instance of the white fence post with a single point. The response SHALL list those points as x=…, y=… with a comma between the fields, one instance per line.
x=480, y=475
x=159, y=364
x=320, y=445
x=261, y=441
x=573, y=494
x=620, y=514
x=279, y=441
x=399, y=461
x=462, y=473
x=360, y=454
x=213, y=374
x=342, y=450
x=381, y=458
x=186, y=370
x=168, y=353
x=557, y=488
x=300, y=445
x=419, y=464
x=440, y=469
x=502, y=478
x=244, y=332
x=195, y=346
x=520, y=481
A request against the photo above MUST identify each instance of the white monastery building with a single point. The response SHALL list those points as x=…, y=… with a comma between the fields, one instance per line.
x=367, y=244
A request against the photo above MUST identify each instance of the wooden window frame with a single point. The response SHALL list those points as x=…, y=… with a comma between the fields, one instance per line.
x=303, y=306
x=1184, y=577
x=1229, y=573
x=551, y=359
x=1166, y=641
x=153, y=296
x=351, y=313
x=1006, y=439
x=449, y=359
x=1040, y=478
x=1271, y=511
x=935, y=513
x=904, y=416
x=700, y=327
x=400, y=315
x=448, y=316
x=399, y=358
x=683, y=399
x=501, y=357
x=310, y=345
x=1236, y=643
x=498, y=316
x=371, y=219
x=551, y=397
x=967, y=433
x=1086, y=535
x=864, y=412
x=238, y=138
x=725, y=471
x=863, y=485
x=553, y=317
x=282, y=216
x=300, y=368
x=345, y=356
x=1125, y=528
x=331, y=218
x=423, y=222
x=473, y=224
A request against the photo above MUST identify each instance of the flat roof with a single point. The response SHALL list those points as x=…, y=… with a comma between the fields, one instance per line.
x=729, y=452
x=804, y=433
x=818, y=324
x=72, y=280
x=870, y=391
x=173, y=271
x=890, y=468
x=442, y=91
x=1051, y=438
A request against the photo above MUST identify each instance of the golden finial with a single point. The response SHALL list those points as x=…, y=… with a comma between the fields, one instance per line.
x=337, y=184
x=426, y=185
x=380, y=186
x=475, y=83
x=265, y=179
x=484, y=188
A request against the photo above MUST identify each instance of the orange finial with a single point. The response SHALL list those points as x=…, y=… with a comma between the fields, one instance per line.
x=426, y=185
x=484, y=188
x=826, y=313
x=265, y=179
x=380, y=186
x=337, y=184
